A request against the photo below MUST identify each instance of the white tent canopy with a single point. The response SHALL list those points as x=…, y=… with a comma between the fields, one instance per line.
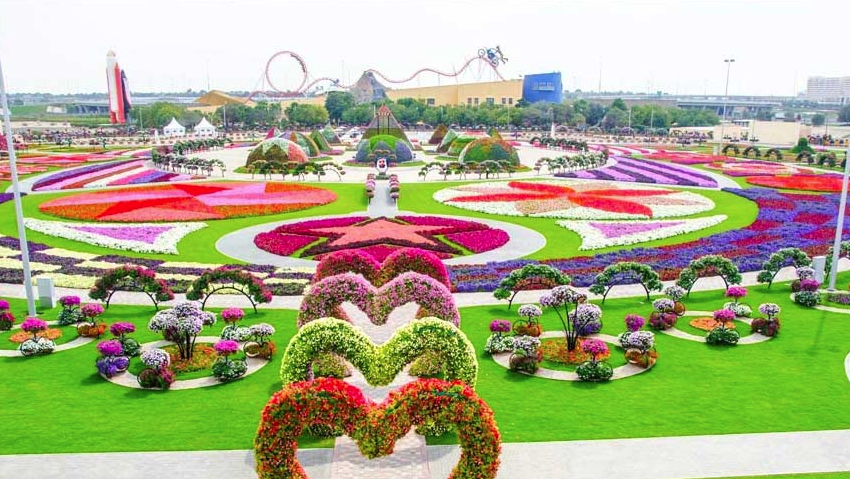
x=174, y=128
x=204, y=128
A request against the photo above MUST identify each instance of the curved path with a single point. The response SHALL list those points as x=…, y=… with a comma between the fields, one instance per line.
x=753, y=338
x=240, y=244
x=74, y=343
x=620, y=372
x=130, y=380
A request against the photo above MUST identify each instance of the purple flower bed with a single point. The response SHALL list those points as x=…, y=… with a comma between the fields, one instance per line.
x=4, y=197
x=775, y=227
x=644, y=171
x=45, y=182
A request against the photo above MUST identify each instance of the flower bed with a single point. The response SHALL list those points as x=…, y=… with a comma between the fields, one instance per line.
x=756, y=168
x=140, y=238
x=127, y=172
x=188, y=202
x=604, y=234
x=644, y=171
x=775, y=228
x=826, y=183
x=80, y=270
x=378, y=237
x=685, y=157
x=573, y=199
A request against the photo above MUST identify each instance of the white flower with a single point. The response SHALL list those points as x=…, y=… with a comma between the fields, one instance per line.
x=593, y=235
x=164, y=242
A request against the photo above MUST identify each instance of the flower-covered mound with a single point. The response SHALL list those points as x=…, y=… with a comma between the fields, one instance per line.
x=645, y=171
x=487, y=149
x=685, y=157
x=140, y=237
x=603, y=234
x=121, y=173
x=804, y=221
x=574, y=199
x=189, y=202
x=395, y=150
x=381, y=236
x=757, y=168
x=827, y=183
x=73, y=269
x=277, y=150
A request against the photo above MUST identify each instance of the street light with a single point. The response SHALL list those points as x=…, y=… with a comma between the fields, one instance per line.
x=839, y=225
x=728, y=62
x=16, y=193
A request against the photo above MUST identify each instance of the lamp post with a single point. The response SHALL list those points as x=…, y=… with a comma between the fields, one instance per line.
x=16, y=193
x=728, y=62
x=839, y=226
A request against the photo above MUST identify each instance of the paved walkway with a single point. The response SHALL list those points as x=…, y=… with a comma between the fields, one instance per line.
x=682, y=457
x=381, y=204
x=461, y=299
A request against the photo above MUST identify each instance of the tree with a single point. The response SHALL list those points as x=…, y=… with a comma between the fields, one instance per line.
x=306, y=115
x=844, y=114
x=595, y=113
x=615, y=118
x=619, y=104
x=337, y=102
x=764, y=115
x=818, y=119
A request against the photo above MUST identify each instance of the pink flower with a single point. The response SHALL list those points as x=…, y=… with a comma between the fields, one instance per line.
x=232, y=315
x=226, y=347
x=736, y=292
x=724, y=315
x=33, y=325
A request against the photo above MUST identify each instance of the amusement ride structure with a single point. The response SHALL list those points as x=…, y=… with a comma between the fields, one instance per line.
x=487, y=57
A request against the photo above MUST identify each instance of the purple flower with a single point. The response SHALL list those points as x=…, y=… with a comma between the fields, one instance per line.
x=69, y=301
x=91, y=310
x=634, y=322
x=232, y=315
x=724, y=315
x=33, y=325
x=111, y=347
x=500, y=326
x=594, y=347
x=121, y=328
x=226, y=347
x=810, y=285
x=736, y=292
x=4, y=305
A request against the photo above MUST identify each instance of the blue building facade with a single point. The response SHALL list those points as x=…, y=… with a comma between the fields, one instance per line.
x=543, y=87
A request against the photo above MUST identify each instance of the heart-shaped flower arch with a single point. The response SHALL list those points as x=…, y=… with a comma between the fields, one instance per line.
x=379, y=273
x=380, y=364
x=325, y=296
x=375, y=427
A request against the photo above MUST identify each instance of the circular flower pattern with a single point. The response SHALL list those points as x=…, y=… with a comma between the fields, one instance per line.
x=574, y=199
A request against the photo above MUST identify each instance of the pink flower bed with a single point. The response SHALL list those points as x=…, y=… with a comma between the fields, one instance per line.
x=379, y=237
x=480, y=241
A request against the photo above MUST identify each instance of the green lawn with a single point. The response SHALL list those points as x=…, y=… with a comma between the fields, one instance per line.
x=563, y=243
x=418, y=197
x=794, y=382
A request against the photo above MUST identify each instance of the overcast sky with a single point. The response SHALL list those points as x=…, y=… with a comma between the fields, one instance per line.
x=59, y=46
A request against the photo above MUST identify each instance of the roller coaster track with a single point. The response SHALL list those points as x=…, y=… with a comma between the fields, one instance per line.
x=303, y=86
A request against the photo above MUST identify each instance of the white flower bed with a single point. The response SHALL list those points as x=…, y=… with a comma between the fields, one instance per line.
x=164, y=243
x=592, y=237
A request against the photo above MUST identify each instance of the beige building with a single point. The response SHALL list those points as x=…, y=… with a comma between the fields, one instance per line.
x=767, y=132
x=211, y=100
x=506, y=92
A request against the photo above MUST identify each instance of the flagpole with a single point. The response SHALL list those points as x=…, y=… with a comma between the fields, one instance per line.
x=16, y=190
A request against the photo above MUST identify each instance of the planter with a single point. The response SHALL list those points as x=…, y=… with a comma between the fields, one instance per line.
x=679, y=308
x=254, y=349
x=5, y=325
x=91, y=330
x=523, y=364
x=523, y=328
x=640, y=358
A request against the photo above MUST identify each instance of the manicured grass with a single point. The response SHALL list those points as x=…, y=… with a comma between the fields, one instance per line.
x=560, y=242
x=794, y=382
x=816, y=475
x=563, y=243
x=195, y=247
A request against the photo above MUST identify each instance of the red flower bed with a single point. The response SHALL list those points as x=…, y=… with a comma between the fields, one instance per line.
x=375, y=427
x=188, y=202
x=813, y=218
x=826, y=183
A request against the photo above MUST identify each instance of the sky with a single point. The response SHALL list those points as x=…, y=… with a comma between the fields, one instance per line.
x=678, y=47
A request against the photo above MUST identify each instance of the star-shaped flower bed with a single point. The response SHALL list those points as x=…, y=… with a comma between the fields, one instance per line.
x=574, y=200
x=379, y=237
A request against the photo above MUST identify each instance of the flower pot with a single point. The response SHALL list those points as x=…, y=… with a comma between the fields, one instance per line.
x=534, y=330
x=254, y=349
x=679, y=308
x=91, y=330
